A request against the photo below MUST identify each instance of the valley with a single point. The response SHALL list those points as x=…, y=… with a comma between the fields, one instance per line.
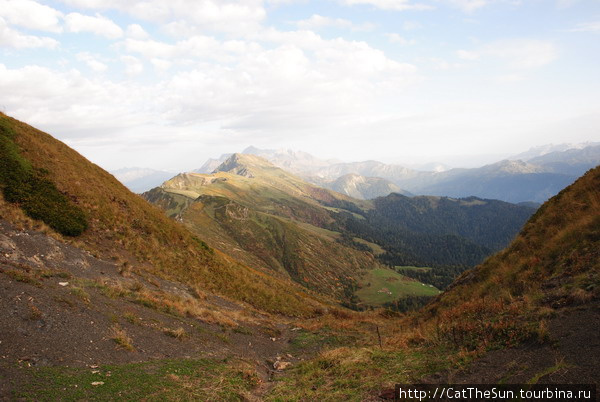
x=252, y=283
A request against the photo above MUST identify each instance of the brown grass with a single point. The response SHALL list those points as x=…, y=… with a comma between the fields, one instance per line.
x=178, y=333
x=502, y=302
x=121, y=338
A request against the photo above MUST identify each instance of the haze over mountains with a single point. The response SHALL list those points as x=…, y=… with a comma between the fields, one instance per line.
x=532, y=176
x=324, y=240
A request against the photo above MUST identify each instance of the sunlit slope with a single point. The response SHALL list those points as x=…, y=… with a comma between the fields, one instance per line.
x=270, y=219
x=124, y=227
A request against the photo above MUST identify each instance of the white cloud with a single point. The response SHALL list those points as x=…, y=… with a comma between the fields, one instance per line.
x=187, y=17
x=294, y=75
x=400, y=40
x=593, y=26
x=60, y=98
x=133, y=65
x=30, y=14
x=316, y=22
x=468, y=6
x=136, y=31
x=98, y=25
x=397, y=5
x=91, y=61
x=161, y=64
x=15, y=39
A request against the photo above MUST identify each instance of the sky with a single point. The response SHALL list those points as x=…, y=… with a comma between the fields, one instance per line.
x=167, y=84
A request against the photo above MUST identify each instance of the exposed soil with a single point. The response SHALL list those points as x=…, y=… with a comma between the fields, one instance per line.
x=55, y=315
x=571, y=355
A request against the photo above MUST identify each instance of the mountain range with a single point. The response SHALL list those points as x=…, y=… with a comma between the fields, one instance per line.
x=532, y=176
x=327, y=241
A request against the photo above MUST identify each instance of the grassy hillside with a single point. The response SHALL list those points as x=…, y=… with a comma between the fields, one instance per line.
x=123, y=227
x=528, y=314
x=553, y=262
x=270, y=220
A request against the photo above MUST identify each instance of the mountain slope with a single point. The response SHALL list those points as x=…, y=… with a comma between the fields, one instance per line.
x=123, y=227
x=270, y=219
x=554, y=264
x=527, y=315
x=511, y=181
x=572, y=161
x=362, y=188
x=446, y=234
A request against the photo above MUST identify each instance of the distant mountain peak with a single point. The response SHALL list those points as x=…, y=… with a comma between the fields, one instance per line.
x=243, y=164
x=515, y=167
x=542, y=150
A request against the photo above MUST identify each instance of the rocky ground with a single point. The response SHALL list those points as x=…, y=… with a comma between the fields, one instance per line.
x=64, y=307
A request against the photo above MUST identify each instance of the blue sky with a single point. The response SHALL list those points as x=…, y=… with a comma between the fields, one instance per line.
x=168, y=84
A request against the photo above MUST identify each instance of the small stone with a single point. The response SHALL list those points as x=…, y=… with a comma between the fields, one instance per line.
x=95, y=383
x=63, y=283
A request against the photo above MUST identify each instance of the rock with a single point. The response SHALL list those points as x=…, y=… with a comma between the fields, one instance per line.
x=281, y=365
x=95, y=383
x=63, y=283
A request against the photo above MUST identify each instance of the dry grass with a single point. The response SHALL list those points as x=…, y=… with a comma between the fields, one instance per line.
x=121, y=338
x=504, y=300
x=173, y=304
x=178, y=333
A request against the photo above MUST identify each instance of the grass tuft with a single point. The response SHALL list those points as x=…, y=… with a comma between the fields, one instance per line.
x=121, y=338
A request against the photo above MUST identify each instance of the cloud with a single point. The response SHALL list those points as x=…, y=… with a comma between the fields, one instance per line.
x=468, y=6
x=593, y=26
x=98, y=25
x=400, y=40
x=15, y=39
x=136, y=31
x=269, y=78
x=187, y=17
x=58, y=99
x=396, y=5
x=161, y=64
x=133, y=65
x=91, y=61
x=316, y=22
x=30, y=14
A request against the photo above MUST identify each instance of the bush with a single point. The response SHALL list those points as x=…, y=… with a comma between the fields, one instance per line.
x=37, y=196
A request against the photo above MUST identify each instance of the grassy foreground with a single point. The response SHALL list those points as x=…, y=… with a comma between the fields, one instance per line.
x=161, y=380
